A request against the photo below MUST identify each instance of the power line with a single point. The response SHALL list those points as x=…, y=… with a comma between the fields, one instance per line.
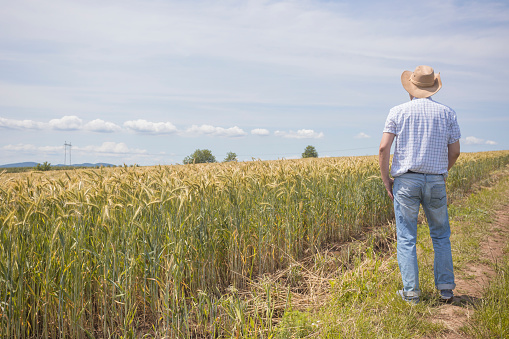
x=65, y=152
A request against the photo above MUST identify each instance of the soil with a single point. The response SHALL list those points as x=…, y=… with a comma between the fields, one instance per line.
x=473, y=280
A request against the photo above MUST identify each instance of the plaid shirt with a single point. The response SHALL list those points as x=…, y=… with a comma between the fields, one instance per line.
x=423, y=129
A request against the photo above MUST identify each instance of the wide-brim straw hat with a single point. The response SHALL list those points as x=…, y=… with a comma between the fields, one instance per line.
x=422, y=82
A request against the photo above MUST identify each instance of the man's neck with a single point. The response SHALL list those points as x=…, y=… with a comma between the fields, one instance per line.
x=412, y=97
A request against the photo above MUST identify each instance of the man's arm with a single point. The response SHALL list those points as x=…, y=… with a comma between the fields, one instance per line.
x=384, y=156
x=453, y=151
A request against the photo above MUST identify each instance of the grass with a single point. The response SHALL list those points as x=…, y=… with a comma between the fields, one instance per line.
x=363, y=303
x=225, y=250
x=491, y=319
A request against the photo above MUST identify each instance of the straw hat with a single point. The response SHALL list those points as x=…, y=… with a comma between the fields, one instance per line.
x=422, y=82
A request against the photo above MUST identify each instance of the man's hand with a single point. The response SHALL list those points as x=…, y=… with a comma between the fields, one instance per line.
x=388, y=187
x=453, y=152
x=384, y=156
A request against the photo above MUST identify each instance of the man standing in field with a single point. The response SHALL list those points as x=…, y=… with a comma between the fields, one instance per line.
x=426, y=136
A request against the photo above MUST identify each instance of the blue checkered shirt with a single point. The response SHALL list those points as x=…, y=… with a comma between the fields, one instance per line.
x=423, y=129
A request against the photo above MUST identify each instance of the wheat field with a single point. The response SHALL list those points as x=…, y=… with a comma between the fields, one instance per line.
x=151, y=250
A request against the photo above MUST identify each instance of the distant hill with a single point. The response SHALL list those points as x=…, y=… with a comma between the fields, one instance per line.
x=20, y=164
x=33, y=164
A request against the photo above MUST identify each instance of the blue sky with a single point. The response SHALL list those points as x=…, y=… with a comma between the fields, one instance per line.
x=149, y=82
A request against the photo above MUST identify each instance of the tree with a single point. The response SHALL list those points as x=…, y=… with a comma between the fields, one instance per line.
x=46, y=166
x=230, y=156
x=310, y=152
x=200, y=156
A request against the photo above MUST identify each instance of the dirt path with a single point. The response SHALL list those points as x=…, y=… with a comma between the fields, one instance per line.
x=472, y=281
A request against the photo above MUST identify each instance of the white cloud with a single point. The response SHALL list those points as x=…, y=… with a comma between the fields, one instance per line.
x=216, y=131
x=19, y=147
x=260, y=131
x=106, y=148
x=32, y=148
x=66, y=123
x=473, y=141
x=50, y=149
x=20, y=124
x=111, y=148
x=144, y=126
x=99, y=125
x=478, y=141
x=362, y=135
x=300, y=134
x=72, y=123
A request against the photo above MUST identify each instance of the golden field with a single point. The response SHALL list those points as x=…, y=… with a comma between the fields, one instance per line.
x=145, y=250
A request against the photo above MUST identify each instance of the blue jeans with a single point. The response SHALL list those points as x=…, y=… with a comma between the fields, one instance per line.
x=411, y=190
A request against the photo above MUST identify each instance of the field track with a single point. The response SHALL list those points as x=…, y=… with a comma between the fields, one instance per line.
x=475, y=277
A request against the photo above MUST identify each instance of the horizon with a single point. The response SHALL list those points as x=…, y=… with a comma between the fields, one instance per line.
x=217, y=161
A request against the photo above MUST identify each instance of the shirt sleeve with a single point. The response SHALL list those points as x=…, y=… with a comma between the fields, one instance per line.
x=390, y=124
x=454, y=129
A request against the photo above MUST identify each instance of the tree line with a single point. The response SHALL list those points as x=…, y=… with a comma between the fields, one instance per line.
x=203, y=156
x=200, y=156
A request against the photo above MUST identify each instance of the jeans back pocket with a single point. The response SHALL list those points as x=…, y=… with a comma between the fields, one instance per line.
x=438, y=196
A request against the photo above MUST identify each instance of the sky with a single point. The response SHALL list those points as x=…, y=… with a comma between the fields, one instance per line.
x=149, y=82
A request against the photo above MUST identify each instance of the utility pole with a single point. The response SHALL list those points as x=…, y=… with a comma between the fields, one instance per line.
x=65, y=152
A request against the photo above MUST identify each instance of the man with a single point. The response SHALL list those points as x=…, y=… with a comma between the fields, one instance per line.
x=426, y=136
